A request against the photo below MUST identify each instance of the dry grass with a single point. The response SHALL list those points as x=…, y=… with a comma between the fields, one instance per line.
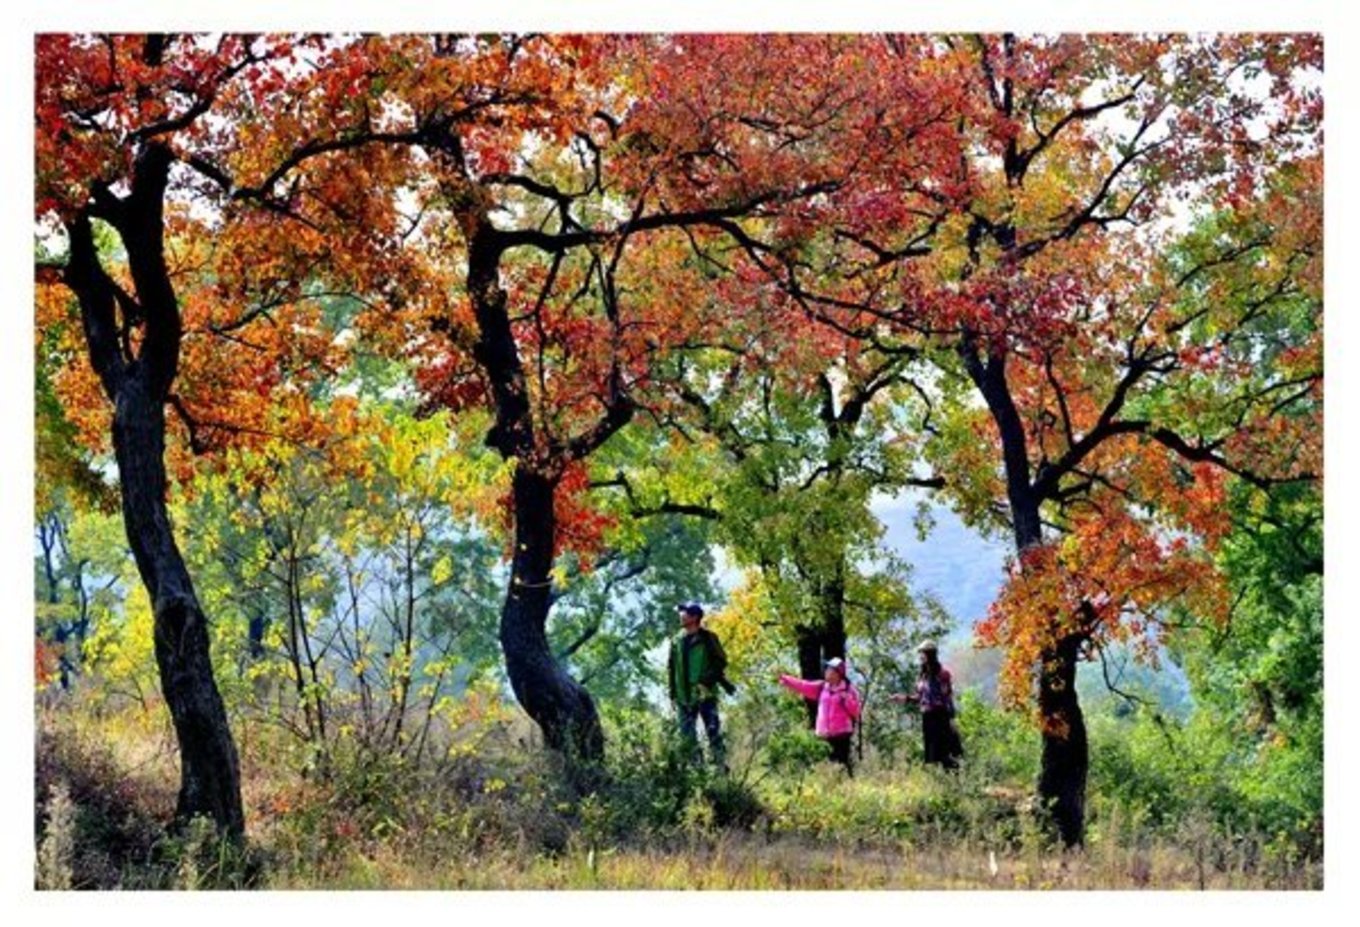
x=743, y=862
x=492, y=829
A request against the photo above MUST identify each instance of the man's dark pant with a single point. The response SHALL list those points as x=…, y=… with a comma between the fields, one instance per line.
x=708, y=711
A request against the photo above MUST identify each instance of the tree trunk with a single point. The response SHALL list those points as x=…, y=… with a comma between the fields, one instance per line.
x=259, y=624
x=833, y=613
x=819, y=643
x=1062, y=777
x=210, y=780
x=562, y=708
x=809, y=640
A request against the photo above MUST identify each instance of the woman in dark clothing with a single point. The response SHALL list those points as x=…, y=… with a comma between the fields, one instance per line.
x=935, y=695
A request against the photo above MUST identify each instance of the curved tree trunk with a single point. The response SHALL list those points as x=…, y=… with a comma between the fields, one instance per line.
x=1062, y=778
x=562, y=708
x=139, y=386
x=210, y=779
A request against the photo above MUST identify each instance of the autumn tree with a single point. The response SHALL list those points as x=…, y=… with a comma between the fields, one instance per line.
x=1125, y=419
x=553, y=208
x=185, y=302
x=107, y=108
x=811, y=420
x=1111, y=365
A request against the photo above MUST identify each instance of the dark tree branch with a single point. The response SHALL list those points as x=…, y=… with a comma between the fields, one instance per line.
x=94, y=291
x=716, y=217
x=1020, y=162
x=1208, y=453
x=665, y=507
x=196, y=444
x=1047, y=480
x=619, y=411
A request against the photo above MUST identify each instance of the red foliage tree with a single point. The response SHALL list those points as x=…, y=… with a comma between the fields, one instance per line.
x=1126, y=363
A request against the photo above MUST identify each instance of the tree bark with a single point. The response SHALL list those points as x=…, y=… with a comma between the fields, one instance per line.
x=809, y=642
x=139, y=387
x=1063, y=768
x=561, y=707
x=833, y=613
x=259, y=624
x=819, y=643
x=210, y=779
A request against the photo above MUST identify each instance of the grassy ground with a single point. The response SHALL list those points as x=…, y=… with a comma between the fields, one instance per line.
x=496, y=819
x=739, y=861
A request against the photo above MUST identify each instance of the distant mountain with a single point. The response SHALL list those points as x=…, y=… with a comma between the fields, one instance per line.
x=956, y=564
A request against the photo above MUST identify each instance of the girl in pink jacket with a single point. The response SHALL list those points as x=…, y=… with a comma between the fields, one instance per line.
x=837, y=707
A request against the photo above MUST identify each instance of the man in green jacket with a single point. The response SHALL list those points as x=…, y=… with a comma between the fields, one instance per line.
x=695, y=669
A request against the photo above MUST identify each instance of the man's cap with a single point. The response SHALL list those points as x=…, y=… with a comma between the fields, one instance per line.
x=691, y=608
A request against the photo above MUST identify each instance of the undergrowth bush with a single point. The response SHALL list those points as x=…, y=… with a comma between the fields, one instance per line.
x=100, y=824
x=1159, y=774
x=503, y=811
x=655, y=785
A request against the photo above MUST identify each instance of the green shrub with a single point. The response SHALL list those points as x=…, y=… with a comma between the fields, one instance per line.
x=1000, y=745
x=1159, y=775
x=654, y=781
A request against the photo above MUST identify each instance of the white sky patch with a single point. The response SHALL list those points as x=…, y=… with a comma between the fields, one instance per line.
x=727, y=575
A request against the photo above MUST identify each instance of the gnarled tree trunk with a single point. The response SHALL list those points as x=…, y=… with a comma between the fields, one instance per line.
x=139, y=386
x=210, y=779
x=1062, y=778
x=561, y=707
x=559, y=704
x=1063, y=768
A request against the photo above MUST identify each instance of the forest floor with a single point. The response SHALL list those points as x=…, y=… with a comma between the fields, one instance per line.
x=740, y=862
x=105, y=786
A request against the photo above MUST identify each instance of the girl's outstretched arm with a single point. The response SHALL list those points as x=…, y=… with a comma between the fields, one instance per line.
x=808, y=688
